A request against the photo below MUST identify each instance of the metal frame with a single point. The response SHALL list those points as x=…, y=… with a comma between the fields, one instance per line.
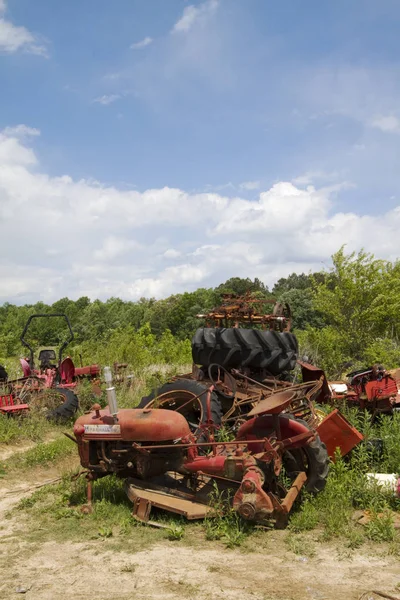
x=46, y=316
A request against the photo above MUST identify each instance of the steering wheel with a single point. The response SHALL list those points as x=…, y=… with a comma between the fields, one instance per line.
x=223, y=382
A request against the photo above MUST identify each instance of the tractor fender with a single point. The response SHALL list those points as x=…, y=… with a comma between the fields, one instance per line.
x=262, y=426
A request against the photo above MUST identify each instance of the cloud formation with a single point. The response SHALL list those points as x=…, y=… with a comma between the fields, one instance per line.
x=107, y=99
x=60, y=236
x=193, y=15
x=142, y=44
x=388, y=124
x=14, y=38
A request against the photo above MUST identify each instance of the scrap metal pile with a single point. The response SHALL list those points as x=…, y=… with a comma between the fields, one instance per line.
x=236, y=423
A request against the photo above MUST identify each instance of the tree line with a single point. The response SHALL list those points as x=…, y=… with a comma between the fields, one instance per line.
x=344, y=317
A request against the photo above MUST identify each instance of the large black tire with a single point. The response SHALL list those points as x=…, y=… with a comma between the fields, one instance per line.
x=234, y=347
x=3, y=374
x=178, y=392
x=67, y=409
x=313, y=459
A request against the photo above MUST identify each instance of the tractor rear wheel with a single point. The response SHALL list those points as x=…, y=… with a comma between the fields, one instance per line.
x=56, y=404
x=188, y=397
x=254, y=348
x=68, y=407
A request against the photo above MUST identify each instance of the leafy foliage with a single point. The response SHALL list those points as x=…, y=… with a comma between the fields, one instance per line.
x=346, y=317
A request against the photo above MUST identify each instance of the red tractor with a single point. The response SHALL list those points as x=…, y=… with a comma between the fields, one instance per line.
x=48, y=379
x=234, y=423
x=372, y=388
x=166, y=465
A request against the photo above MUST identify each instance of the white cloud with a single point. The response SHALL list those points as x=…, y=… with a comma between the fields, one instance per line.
x=114, y=247
x=107, y=99
x=161, y=241
x=389, y=124
x=172, y=253
x=21, y=131
x=142, y=44
x=250, y=185
x=14, y=38
x=193, y=15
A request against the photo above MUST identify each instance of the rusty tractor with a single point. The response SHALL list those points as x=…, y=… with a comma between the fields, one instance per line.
x=234, y=422
x=48, y=379
x=165, y=464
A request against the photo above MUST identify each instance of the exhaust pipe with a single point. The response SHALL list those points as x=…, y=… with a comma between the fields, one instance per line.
x=111, y=394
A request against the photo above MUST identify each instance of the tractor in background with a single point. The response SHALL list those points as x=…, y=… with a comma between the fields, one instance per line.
x=48, y=381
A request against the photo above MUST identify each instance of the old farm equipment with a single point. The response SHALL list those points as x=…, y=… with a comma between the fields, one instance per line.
x=234, y=422
x=168, y=465
x=373, y=388
x=247, y=356
x=48, y=380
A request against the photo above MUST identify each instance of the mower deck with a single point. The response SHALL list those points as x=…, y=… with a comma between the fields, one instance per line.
x=168, y=493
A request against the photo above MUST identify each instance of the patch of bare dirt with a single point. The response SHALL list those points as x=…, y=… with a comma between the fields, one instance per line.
x=173, y=570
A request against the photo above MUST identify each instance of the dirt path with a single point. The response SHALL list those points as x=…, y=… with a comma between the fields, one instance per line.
x=173, y=570
x=56, y=571
x=6, y=451
x=93, y=569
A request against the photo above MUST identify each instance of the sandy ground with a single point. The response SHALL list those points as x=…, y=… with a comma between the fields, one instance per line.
x=173, y=570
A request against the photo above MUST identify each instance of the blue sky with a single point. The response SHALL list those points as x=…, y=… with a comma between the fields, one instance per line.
x=158, y=146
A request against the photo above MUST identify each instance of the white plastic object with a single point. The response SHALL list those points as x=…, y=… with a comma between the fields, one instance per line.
x=387, y=481
x=339, y=388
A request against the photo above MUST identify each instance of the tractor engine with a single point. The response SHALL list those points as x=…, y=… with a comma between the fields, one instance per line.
x=109, y=444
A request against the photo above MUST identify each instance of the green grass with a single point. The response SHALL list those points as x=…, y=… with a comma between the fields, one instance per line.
x=348, y=489
x=29, y=427
x=327, y=516
x=41, y=455
x=54, y=513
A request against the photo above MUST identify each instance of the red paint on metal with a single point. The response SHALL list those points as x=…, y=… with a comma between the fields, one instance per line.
x=67, y=371
x=251, y=501
x=139, y=425
x=206, y=464
x=260, y=427
x=336, y=432
x=377, y=390
x=26, y=369
x=92, y=370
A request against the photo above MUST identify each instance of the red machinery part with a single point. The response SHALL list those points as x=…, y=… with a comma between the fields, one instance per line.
x=336, y=432
x=385, y=388
x=9, y=406
x=259, y=427
x=134, y=424
x=92, y=370
x=251, y=501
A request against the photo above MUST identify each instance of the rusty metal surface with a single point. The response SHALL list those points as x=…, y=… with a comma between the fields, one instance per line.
x=144, y=498
x=337, y=433
x=249, y=310
x=135, y=424
x=275, y=403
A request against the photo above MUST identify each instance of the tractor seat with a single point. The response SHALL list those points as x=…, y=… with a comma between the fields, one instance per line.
x=47, y=358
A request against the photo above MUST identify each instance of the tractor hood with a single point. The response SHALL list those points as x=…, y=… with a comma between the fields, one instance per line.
x=134, y=424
